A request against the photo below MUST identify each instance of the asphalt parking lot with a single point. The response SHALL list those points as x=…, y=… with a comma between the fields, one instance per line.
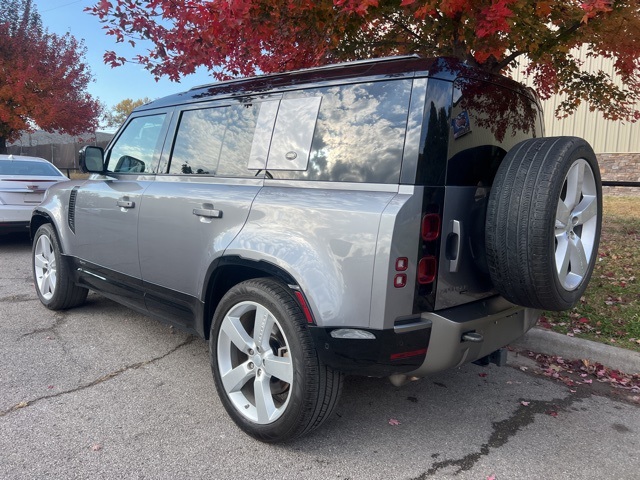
x=103, y=392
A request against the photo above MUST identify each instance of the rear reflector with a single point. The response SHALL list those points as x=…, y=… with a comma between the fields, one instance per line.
x=427, y=269
x=430, y=227
x=412, y=353
x=353, y=334
x=305, y=307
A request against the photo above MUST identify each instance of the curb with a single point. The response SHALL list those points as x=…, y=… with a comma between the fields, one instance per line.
x=552, y=343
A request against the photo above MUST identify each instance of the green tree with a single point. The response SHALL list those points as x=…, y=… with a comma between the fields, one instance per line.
x=120, y=111
x=43, y=77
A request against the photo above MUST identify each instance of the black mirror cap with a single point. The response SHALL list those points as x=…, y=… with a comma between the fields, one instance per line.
x=92, y=159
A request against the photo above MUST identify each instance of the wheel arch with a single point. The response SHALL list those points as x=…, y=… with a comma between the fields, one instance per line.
x=228, y=271
x=38, y=219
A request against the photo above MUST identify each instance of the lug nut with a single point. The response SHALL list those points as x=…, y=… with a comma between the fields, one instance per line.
x=251, y=365
x=259, y=371
x=250, y=351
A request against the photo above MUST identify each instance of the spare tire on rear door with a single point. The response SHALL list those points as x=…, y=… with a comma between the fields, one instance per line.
x=543, y=222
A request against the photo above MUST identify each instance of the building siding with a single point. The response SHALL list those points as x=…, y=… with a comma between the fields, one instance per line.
x=605, y=136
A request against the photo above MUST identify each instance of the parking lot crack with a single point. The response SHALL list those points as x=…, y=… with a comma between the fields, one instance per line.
x=23, y=297
x=504, y=430
x=59, y=320
x=98, y=381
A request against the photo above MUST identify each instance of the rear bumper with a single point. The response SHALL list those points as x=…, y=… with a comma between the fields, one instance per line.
x=398, y=350
x=429, y=342
x=15, y=214
x=496, y=322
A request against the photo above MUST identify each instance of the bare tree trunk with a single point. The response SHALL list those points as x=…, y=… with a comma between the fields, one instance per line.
x=3, y=145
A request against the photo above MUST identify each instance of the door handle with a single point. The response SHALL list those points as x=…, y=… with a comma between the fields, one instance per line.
x=207, y=212
x=126, y=203
x=454, y=241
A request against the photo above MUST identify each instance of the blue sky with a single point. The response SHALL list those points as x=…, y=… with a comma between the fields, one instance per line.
x=110, y=85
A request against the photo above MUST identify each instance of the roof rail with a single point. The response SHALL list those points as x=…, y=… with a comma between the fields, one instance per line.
x=330, y=66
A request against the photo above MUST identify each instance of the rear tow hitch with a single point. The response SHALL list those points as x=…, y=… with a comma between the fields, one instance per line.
x=499, y=357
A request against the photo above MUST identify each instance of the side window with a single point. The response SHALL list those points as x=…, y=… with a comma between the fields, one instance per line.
x=220, y=140
x=138, y=147
x=358, y=136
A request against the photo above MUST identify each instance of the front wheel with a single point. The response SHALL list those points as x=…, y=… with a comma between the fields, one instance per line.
x=51, y=274
x=266, y=370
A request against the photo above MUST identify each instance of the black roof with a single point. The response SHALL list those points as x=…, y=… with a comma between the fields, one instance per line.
x=379, y=68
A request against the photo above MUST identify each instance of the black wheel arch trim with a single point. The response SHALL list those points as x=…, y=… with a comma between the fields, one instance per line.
x=227, y=271
x=39, y=218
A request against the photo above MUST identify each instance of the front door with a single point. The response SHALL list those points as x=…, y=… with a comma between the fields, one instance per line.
x=108, y=206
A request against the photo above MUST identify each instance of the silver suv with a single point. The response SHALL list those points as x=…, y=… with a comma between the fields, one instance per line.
x=393, y=217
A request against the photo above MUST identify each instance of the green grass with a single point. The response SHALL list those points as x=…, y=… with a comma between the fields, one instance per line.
x=609, y=311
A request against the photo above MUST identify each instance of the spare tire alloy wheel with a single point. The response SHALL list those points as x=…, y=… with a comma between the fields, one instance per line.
x=265, y=366
x=543, y=222
x=576, y=226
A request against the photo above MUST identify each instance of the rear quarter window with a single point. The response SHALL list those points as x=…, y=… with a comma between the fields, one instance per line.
x=358, y=135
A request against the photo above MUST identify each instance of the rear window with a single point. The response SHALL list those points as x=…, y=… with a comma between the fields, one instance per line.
x=26, y=167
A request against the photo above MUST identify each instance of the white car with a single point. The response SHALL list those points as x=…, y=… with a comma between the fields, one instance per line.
x=23, y=181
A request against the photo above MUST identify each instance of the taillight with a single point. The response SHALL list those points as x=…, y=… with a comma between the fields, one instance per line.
x=400, y=280
x=428, y=264
x=427, y=269
x=430, y=227
x=402, y=264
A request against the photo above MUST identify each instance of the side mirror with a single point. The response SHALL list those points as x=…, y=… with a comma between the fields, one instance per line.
x=92, y=159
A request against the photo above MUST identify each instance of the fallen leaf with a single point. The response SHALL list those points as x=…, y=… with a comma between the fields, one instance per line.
x=491, y=477
x=482, y=375
x=524, y=369
x=552, y=413
x=525, y=404
x=22, y=405
x=96, y=447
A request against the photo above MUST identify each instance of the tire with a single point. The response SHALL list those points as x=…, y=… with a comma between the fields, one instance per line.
x=246, y=362
x=51, y=274
x=543, y=222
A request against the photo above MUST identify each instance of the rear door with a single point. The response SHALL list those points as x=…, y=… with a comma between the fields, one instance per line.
x=212, y=171
x=486, y=121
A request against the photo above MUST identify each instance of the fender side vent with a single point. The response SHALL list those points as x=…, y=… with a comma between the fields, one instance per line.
x=72, y=209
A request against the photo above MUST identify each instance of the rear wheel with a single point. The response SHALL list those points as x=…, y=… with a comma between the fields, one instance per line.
x=52, y=277
x=543, y=222
x=266, y=369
